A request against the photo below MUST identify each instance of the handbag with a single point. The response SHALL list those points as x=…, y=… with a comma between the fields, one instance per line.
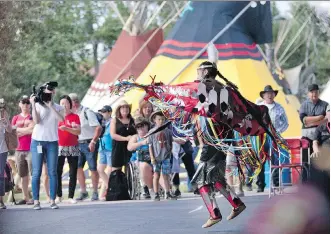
x=11, y=140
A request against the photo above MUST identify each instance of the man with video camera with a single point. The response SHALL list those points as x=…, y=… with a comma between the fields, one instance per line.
x=46, y=115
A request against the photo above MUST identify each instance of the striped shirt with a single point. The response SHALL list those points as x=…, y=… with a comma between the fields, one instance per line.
x=277, y=115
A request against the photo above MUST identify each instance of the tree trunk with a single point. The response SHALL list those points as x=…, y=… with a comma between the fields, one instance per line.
x=95, y=58
x=310, y=37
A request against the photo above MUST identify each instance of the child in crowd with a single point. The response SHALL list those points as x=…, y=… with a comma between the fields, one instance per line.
x=160, y=147
x=138, y=144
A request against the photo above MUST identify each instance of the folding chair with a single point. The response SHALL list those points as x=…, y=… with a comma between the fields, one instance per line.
x=295, y=163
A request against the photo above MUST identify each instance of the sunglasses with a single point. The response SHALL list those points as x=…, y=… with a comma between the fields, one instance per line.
x=141, y=125
x=26, y=102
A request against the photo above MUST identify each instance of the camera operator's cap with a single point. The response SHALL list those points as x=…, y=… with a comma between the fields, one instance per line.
x=313, y=87
x=105, y=109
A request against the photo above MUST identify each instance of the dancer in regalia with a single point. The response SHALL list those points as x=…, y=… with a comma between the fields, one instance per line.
x=210, y=175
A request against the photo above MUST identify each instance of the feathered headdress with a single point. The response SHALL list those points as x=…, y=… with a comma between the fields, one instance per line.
x=212, y=56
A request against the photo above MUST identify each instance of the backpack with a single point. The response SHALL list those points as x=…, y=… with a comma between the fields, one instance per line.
x=117, y=187
x=9, y=181
x=99, y=118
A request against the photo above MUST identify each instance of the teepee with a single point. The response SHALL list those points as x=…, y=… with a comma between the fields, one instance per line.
x=242, y=27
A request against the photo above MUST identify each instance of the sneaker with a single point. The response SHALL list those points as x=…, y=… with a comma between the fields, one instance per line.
x=54, y=206
x=210, y=222
x=169, y=196
x=240, y=193
x=157, y=197
x=95, y=196
x=177, y=193
x=146, y=194
x=161, y=192
x=21, y=202
x=2, y=206
x=260, y=190
x=82, y=196
x=72, y=201
x=249, y=188
x=37, y=206
x=58, y=200
x=196, y=192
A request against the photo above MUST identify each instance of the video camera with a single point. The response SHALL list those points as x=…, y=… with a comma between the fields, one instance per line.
x=40, y=96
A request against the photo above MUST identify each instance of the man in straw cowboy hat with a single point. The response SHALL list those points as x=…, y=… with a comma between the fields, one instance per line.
x=279, y=120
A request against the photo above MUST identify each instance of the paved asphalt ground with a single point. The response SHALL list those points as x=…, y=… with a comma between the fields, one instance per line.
x=186, y=215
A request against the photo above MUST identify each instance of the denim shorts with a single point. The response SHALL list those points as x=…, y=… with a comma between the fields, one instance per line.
x=105, y=157
x=163, y=166
x=86, y=155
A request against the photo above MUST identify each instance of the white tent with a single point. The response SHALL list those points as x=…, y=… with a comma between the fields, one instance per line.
x=326, y=94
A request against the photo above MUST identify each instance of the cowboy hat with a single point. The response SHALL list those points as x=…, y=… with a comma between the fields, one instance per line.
x=141, y=121
x=153, y=115
x=268, y=88
x=120, y=104
x=123, y=103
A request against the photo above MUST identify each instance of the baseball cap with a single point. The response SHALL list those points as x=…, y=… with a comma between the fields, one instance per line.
x=106, y=109
x=313, y=87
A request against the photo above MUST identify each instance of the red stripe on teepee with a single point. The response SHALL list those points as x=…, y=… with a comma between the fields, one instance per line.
x=221, y=54
x=201, y=45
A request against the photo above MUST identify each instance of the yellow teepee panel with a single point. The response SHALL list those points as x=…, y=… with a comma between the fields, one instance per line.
x=249, y=75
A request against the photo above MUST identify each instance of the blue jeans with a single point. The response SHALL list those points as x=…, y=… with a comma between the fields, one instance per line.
x=50, y=151
x=3, y=160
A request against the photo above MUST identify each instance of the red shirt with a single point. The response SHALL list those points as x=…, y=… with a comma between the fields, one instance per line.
x=67, y=138
x=20, y=121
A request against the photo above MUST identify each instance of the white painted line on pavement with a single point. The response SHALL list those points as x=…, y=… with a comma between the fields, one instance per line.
x=199, y=208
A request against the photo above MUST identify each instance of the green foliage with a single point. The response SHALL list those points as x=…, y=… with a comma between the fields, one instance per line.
x=313, y=43
x=49, y=43
x=44, y=41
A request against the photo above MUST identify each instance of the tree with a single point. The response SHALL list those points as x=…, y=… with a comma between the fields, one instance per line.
x=306, y=41
x=59, y=41
x=49, y=42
